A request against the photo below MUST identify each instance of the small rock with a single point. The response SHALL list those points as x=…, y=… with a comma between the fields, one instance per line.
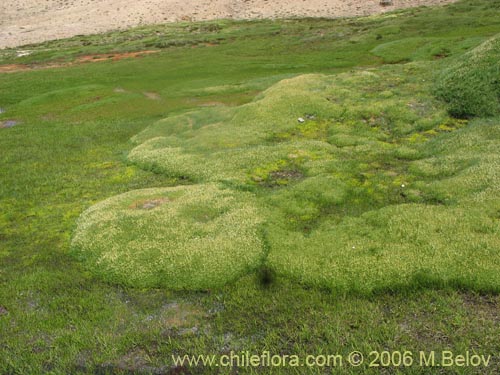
x=301, y=120
x=385, y=2
x=3, y=311
x=8, y=123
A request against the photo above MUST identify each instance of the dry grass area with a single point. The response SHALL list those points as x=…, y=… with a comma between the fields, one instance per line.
x=31, y=21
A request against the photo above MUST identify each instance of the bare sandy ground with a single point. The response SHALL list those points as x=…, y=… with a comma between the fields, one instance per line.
x=29, y=21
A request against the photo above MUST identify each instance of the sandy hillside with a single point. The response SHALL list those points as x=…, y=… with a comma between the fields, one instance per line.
x=29, y=21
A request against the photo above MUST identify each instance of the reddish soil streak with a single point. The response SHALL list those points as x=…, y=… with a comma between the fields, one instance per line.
x=13, y=68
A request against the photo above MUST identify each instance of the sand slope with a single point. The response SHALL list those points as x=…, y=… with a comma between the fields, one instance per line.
x=29, y=21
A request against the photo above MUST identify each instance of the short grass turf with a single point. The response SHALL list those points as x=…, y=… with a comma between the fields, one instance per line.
x=68, y=152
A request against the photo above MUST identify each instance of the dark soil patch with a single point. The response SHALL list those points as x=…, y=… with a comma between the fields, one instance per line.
x=283, y=177
x=3, y=311
x=484, y=306
x=286, y=175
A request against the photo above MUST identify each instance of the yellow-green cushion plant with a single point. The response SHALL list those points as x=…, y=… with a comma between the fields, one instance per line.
x=186, y=237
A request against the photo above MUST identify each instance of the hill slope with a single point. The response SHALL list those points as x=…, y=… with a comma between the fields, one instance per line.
x=30, y=21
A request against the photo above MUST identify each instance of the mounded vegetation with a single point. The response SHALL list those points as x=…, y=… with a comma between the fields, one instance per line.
x=446, y=234
x=186, y=237
x=471, y=85
x=365, y=181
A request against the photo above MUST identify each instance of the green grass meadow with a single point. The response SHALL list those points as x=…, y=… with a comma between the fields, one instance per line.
x=303, y=186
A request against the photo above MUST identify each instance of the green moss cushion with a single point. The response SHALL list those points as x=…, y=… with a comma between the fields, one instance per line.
x=187, y=237
x=362, y=180
x=471, y=86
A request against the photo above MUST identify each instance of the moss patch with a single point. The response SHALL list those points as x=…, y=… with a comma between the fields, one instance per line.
x=364, y=181
x=190, y=237
x=471, y=85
